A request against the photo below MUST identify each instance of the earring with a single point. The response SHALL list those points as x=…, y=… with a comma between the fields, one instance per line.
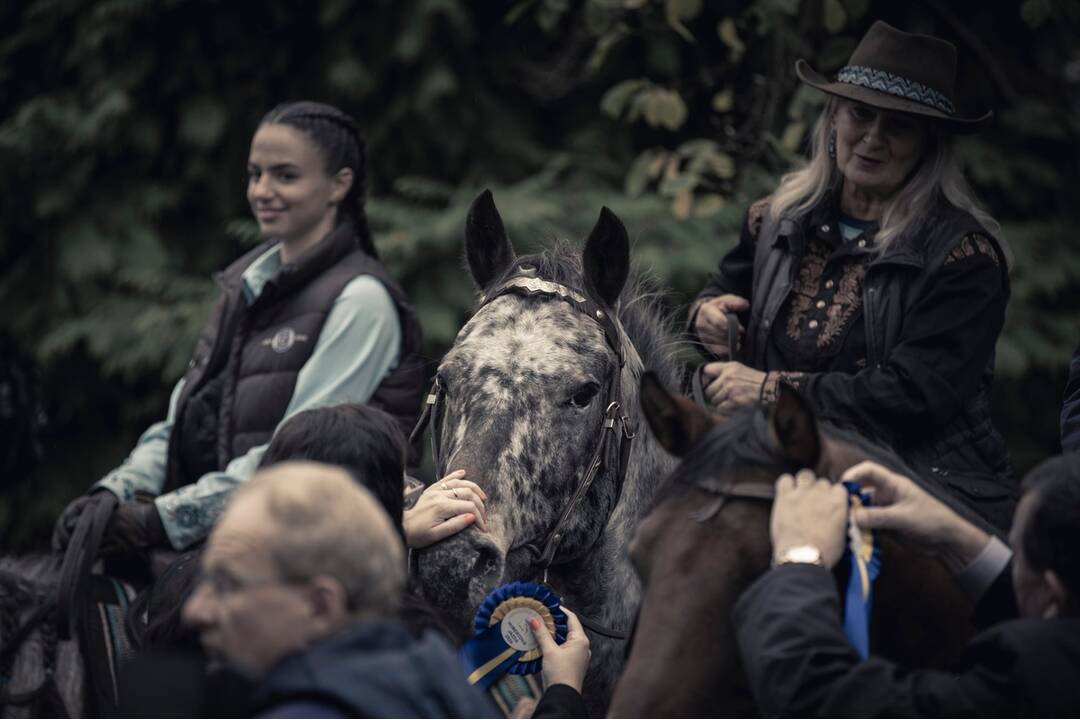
x=832, y=144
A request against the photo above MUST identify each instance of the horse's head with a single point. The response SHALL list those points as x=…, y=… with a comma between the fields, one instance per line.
x=526, y=391
x=707, y=539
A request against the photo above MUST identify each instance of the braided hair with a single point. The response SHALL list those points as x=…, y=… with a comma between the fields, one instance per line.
x=337, y=136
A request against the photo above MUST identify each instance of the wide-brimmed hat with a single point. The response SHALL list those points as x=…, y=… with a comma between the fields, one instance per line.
x=895, y=70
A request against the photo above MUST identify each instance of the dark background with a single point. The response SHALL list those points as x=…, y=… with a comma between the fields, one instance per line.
x=124, y=127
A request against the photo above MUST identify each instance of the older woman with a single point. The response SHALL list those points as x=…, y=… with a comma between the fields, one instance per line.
x=871, y=280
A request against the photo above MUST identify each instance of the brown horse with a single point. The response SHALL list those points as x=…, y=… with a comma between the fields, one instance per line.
x=700, y=547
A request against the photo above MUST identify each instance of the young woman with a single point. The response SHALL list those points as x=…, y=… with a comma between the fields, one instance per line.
x=308, y=318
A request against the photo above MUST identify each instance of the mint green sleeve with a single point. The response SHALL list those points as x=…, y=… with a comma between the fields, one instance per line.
x=144, y=469
x=357, y=347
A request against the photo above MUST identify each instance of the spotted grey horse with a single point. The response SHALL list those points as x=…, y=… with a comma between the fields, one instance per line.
x=538, y=401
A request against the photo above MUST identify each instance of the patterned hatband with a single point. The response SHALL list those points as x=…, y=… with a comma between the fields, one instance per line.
x=886, y=82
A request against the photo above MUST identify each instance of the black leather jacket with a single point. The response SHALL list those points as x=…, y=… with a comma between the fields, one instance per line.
x=925, y=390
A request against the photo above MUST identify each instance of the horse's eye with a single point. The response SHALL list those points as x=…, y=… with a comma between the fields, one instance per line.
x=584, y=395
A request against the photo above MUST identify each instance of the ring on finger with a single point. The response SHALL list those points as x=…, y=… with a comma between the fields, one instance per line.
x=454, y=491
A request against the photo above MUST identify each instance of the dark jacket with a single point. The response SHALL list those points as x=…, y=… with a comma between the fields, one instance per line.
x=373, y=669
x=1070, y=408
x=561, y=701
x=247, y=358
x=925, y=388
x=799, y=663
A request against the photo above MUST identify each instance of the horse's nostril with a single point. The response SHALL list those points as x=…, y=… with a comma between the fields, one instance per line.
x=488, y=562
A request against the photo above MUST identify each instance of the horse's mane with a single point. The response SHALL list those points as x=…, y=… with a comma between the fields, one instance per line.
x=30, y=574
x=641, y=306
x=743, y=440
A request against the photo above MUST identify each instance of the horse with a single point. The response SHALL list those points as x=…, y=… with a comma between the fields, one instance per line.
x=707, y=539
x=537, y=401
x=40, y=674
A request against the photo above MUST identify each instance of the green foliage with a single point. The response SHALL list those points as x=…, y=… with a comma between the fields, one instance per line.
x=124, y=127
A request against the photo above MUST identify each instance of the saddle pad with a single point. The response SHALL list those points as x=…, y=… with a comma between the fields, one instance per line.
x=105, y=643
x=509, y=689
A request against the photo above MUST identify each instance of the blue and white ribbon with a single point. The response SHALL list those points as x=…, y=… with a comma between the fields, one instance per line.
x=865, y=558
x=503, y=641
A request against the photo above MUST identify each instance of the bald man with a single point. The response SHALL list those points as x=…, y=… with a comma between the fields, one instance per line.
x=302, y=578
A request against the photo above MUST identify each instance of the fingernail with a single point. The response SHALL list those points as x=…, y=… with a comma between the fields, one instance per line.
x=534, y=623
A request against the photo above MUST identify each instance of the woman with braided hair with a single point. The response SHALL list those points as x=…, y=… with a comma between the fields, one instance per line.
x=308, y=318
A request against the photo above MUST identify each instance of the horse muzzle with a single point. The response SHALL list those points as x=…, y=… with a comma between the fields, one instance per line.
x=458, y=573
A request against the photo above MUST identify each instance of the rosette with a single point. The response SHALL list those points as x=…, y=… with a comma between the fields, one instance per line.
x=502, y=641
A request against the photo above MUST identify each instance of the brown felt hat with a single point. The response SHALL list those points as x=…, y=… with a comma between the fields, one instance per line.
x=895, y=70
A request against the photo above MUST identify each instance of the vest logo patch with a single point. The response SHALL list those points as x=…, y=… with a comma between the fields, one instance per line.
x=283, y=340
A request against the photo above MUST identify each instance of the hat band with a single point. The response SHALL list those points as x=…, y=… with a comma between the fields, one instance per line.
x=886, y=82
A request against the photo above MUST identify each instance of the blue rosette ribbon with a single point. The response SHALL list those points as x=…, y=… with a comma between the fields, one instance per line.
x=502, y=641
x=864, y=555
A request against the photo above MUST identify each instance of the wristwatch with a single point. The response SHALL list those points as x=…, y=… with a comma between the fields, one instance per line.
x=807, y=554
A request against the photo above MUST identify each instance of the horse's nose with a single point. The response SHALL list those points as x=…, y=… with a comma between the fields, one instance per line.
x=489, y=563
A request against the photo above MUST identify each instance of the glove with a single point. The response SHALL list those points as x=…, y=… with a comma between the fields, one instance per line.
x=65, y=524
x=134, y=527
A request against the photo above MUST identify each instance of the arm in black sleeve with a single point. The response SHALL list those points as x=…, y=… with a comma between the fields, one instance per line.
x=798, y=662
x=936, y=366
x=735, y=273
x=998, y=603
x=1070, y=408
x=560, y=701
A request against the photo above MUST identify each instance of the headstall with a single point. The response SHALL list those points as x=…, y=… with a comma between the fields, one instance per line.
x=615, y=424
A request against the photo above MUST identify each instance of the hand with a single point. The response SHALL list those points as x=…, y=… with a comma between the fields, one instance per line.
x=563, y=664
x=134, y=528
x=65, y=524
x=446, y=508
x=916, y=515
x=809, y=511
x=733, y=386
x=711, y=325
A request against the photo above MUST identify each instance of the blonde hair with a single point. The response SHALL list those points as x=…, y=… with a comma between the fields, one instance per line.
x=323, y=522
x=938, y=175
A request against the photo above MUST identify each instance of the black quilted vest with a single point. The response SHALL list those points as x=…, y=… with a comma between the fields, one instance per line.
x=243, y=371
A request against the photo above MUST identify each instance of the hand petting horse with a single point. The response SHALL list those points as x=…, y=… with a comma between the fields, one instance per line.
x=537, y=402
x=707, y=539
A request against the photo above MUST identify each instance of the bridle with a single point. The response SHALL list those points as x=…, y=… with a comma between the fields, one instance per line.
x=733, y=490
x=615, y=433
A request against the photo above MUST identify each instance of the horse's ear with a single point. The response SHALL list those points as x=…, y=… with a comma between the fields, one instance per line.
x=606, y=258
x=487, y=248
x=676, y=421
x=794, y=428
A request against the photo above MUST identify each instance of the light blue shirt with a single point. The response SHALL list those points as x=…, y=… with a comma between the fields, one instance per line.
x=357, y=347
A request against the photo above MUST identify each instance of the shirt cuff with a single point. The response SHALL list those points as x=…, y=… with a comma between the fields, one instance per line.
x=978, y=575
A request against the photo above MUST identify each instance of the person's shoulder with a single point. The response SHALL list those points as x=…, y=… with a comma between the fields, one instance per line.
x=308, y=707
x=974, y=244
x=755, y=214
x=366, y=293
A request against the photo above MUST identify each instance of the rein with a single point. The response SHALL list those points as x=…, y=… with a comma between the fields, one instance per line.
x=733, y=491
x=615, y=427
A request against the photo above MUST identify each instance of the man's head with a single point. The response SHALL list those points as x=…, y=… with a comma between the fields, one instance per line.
x=300, y=552
x=1046, y=540
x=364, y=440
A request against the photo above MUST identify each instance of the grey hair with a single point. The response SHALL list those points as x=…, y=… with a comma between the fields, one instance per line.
x=938, y=175
x=326, y=523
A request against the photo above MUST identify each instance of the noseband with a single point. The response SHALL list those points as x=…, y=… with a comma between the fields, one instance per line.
x=615, y=432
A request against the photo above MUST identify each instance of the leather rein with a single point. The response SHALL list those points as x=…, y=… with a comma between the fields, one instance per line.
x=614, y=429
